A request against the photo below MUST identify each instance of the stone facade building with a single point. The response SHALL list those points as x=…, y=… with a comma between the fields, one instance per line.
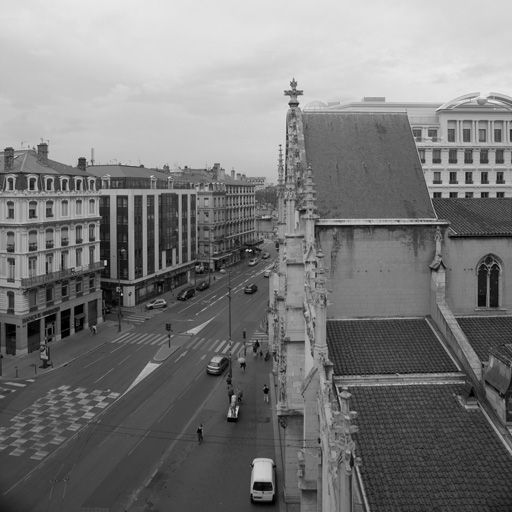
x=49, y=251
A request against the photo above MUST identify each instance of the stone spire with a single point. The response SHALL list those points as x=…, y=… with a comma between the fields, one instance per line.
x=280, y=197
x=293, y=93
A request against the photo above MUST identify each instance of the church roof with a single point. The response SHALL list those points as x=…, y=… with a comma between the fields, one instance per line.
x=422, y=450
x=486, y=332
x=365, y=166
x=380, y=347
x=476, y=216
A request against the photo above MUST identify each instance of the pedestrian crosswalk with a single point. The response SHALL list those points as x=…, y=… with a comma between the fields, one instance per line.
x=8, y=387
x=219, y=346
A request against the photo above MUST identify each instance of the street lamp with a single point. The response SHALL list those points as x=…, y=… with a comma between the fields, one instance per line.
x=122, y=252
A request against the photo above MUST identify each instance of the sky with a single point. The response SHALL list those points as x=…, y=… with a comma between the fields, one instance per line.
x=184, y=82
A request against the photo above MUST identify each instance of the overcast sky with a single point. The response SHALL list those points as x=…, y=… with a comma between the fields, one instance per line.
x=184, y=82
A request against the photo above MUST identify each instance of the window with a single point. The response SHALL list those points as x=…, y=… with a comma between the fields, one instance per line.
x=10, y=241
x=79, y=207
x=484, y=194
x=484, y=156
x=10, y=302
x=416, y=132
x=468, y=178
x=49, y=238
x=500, y=194
x=91, y=205
x=78, y=234
x=32, y=210
x=64, y=260
x=468, y=195
x=497, y=135
x=49, y=208
x=49, y=263
x=11, y=269
x=92, y=235
x=78, y=286
x=32, y=240
x=437, y=195
x=32, y=184
x=32, y=299
x=78, y=254
x=500, y=156
x=436, y=156
x=92, y=251
x=468, y=156
x=500, y=180
x=64, y=236
x=78, y=184
x=92, y=184
x=466, y=135
x=454, y=195
x=64, y=185
x=453, y=177
x=10, y=183
x=65, y=208
x=49, y=183
x=482, y=135
x=489, y=276
x=451, y=134
x=10, y=209
x=484, y=178
x=49, y=294
x=91, y=283
x=64, y=289
x=32, y=266
x=452, y=156
x=421, y=153
x=432, y=134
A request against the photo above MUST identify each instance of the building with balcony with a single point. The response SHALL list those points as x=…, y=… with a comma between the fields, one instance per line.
x=148, y=232
x=464, y=145
x=49, y=249
x=226, y=215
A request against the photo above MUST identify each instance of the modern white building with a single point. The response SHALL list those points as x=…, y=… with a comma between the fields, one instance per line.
x=465, y=144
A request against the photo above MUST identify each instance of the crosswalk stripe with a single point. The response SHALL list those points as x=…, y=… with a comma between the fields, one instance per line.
x=17, y=384
x=219, y=347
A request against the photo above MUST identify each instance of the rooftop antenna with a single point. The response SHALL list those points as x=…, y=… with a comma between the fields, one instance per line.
x=92, y=156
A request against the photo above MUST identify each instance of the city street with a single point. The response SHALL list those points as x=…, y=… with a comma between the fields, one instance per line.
x=76, y=439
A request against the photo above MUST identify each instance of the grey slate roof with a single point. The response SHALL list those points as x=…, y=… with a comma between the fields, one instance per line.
x=365, y=165
x=422, y=451
x=486, y=332
x=379, y=347
x=476, y=217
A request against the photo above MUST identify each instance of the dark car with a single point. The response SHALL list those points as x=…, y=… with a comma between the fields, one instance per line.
x=203, y=285
x=250, y=288
x=217, y=365
x=187, y=293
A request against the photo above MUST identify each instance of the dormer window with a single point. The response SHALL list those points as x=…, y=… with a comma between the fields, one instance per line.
x=92, y=184
x=79, y=184
x=10, y=183
x=153, y=182
x=64, y=184
x=32, y=183
x=105, y=181
x=49, y=184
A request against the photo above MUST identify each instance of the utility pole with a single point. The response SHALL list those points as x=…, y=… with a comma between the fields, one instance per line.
x=168, y=327
x=229, y=320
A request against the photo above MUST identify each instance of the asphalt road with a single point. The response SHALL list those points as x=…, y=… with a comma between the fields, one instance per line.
x=102, y=448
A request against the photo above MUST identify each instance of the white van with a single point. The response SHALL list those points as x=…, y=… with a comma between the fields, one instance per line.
x=263, y=480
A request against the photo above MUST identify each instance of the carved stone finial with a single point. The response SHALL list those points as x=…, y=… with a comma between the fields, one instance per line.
x=293, y=93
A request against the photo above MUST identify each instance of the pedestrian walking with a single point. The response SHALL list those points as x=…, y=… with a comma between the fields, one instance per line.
x=261, y=353
x=242, y=362
x=265, y=393
x=94, y=329
x=231, y=392
x=200, y=433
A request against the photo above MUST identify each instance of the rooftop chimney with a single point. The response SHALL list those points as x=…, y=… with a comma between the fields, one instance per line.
x=233, y=173
x=42, y=152
x=238, y=176
x=82, y=163
x=8, y=159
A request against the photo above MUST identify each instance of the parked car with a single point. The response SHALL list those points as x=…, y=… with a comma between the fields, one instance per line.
x=222, y=270
x=267, y=272
x=186, y=293
x=263, y=480
x=251, y=288
x=265, y=256
x=253, y=262
x=217, y=365
x=203, y=285
x=157, y=303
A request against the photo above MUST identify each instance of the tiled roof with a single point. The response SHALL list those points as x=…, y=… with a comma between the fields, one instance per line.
x=26, y=161
x=422, y=451
x=365, y=166
x=485, y=332
x=126, y=171
x=476, y=217
x=379, y=347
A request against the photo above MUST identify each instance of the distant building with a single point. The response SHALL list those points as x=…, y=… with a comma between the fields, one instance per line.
x=258, y=182
x=148, y=232
x=464, y=145
x=49, y=250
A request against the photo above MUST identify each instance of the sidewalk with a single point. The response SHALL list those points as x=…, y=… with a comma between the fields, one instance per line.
x=27, y=366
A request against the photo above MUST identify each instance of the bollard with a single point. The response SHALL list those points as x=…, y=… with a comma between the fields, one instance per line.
x=35, y=368
x=16, y=368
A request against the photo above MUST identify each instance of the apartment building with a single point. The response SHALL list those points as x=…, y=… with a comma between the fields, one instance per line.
x=49, y=249
x=148, y=232
x=464, y=145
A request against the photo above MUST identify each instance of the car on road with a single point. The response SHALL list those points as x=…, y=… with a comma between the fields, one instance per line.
x=222, y=270
x=263, y=480
x=251, y=288
x=203, y=285
x=217, y=365
x=267, y=272
x=156, y=303
x=253, y=261
x=265, y=256
x=186, y=293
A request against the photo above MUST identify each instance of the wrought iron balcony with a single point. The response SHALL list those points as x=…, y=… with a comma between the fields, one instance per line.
x=49, y=244
x=64, y=241
x=10, y=247
x=79, y=240
x=32, y=246
x=29, y=282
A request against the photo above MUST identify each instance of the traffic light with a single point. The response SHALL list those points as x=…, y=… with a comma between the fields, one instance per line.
x=168, y=327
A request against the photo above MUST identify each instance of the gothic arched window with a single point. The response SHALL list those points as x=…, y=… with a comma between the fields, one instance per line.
x=489, y=274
